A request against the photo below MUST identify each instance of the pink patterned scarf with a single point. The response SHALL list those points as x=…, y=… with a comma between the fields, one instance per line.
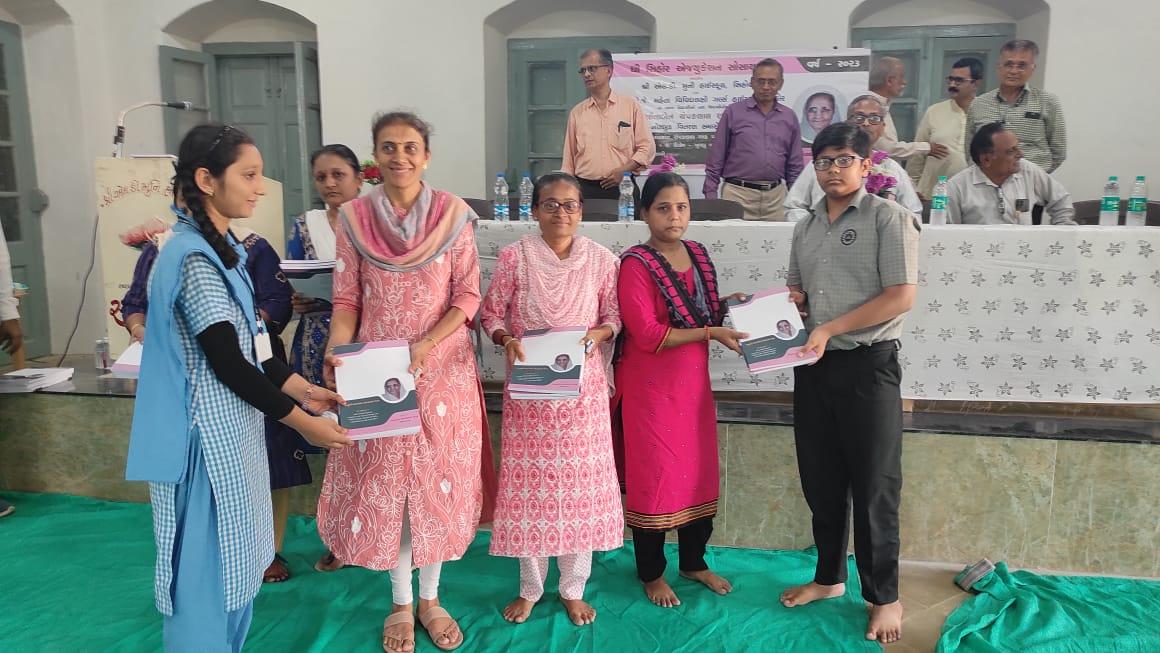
x=401, y=242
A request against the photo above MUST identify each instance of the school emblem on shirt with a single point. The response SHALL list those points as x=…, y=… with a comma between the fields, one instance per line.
x=849, y=236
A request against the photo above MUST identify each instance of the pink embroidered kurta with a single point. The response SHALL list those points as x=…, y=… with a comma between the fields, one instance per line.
x=669, y=419
x=558, y=492
x=435, y=474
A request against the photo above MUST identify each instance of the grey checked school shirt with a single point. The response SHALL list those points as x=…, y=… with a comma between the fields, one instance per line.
x=233, y=445
x=844, y=264
x=1036, y=118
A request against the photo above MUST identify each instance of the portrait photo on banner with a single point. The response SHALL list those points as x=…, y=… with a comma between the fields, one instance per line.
x=684, y=94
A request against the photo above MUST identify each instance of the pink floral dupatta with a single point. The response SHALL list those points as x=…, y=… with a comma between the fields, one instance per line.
x=401, y=242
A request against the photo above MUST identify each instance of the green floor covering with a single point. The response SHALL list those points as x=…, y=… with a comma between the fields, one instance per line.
x=76, y=574
x=1022, y=612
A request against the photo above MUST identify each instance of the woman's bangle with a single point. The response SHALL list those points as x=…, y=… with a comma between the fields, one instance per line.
x=510, y=340
x=307, y=394
x=434, y=342
x=707, y=338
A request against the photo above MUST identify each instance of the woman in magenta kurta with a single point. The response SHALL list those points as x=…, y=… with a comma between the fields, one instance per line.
x=407, y=269
x=558, y=494
x=664, y=404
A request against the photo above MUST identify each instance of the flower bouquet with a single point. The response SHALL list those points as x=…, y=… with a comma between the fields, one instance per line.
x=371, y=173
x=880, y=182
x=668, y=164
x=148, y=232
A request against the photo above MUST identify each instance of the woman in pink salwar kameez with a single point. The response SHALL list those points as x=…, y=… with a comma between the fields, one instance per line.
x=558, y=493
x=408, y=269
x=663, y=408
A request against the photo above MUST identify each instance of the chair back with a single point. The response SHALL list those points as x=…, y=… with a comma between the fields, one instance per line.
x=601, y=210
x=718, y=209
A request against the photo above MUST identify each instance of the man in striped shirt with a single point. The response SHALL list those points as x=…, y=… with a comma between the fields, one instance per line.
x=1032, y=114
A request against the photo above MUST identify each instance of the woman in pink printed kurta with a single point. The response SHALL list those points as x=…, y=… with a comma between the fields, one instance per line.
x=558, y=493
x=407, y=269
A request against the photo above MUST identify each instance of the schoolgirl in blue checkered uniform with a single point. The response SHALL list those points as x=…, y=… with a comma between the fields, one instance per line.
x=206, y=379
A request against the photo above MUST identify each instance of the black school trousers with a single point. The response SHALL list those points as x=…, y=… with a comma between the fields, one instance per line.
x=848, y=435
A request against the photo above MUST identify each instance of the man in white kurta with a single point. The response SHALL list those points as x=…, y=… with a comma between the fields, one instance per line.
x=945, y=123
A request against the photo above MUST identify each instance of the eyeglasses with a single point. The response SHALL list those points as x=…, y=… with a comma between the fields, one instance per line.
x=591, y=70
x=959, y=80
x=570, y=207
x=1016, y=65
x=861, y=119
x=843, y=162
x=760, y=81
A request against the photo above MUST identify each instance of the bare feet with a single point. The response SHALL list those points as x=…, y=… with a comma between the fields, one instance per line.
x=660, y=593
x=518, y=610
x=580, y=612
x=810, y=592
x=399, y=630
x=710, y=580
x=328, y=562
x=278, y=571
x=885, y=623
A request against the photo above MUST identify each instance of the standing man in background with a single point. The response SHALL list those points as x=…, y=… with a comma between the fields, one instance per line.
x=756, y=149
x=11, y=338
x=887, y=81
x=607, y=134
x=944, y=122
x=1034, y=115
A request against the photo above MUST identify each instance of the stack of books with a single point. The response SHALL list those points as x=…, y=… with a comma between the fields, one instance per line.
x=33, y=378
x=305, y=269
x=553, y=362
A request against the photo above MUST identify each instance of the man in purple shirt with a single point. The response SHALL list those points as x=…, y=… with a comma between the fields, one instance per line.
x=756, y=152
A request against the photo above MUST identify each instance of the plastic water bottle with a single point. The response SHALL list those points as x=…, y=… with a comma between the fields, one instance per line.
x=1138, y=204
x=938, y=202
x=101, y=353
x=626, y=212
x=500, y=210
x=1110, y=205
x=526, y=188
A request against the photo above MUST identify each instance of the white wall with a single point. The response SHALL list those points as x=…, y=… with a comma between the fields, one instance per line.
x=435, y=56
x=576, y=23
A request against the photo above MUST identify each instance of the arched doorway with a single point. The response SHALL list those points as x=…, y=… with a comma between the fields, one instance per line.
x=532, y=49
x=253, y=64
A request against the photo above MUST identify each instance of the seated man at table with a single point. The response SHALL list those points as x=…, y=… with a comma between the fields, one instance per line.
x=1002, y=187
x=869, y=114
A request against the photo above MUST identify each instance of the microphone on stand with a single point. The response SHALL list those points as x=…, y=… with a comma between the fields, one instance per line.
x=119, y=135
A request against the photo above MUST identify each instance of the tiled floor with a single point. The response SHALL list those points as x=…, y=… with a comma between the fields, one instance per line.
x=928, y=594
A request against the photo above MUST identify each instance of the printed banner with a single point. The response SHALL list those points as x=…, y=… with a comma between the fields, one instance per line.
x=129, y=193
x=684, y=94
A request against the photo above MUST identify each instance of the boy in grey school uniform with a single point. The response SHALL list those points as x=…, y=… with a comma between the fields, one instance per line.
x=853, y=272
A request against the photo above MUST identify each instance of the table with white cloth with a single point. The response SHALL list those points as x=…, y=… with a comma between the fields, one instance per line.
x=1003, y=313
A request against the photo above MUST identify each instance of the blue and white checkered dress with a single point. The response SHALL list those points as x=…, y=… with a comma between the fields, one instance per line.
x=233, y=446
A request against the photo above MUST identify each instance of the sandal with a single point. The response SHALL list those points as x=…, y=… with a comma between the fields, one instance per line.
x=328, y=562
x=394, y=619
x=278, y=571
x=453, y=640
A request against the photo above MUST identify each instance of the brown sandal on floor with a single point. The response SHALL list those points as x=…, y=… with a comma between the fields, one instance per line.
x=394, y=619
x=278, y=571
x=328, y=562
x=451, y=631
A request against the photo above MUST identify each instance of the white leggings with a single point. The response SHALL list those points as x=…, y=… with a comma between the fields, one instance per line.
x=574, y=571
x=401, y=575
